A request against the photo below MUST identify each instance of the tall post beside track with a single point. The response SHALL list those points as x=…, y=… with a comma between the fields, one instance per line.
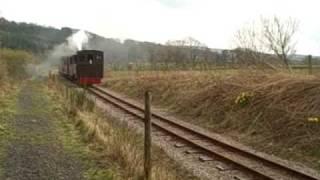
x=147, y=137
x=310, y=64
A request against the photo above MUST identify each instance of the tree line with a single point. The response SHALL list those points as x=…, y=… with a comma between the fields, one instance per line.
x=31, y=37
x=175, y=54
x=267, y=43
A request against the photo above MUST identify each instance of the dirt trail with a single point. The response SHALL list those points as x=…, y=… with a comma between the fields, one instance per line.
x=36, y=151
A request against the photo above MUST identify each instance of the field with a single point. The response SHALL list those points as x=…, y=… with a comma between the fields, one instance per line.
x=274, y=112
x=304, y=69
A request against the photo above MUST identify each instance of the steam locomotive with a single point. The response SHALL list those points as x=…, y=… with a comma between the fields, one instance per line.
x=85, y=67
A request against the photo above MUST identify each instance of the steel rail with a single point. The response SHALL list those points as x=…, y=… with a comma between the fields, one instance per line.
x=179, y=130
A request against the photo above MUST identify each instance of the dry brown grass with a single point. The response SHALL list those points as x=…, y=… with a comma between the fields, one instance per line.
x=122, y=147
x=273, y=118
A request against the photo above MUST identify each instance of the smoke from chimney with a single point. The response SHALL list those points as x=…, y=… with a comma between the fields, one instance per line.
x=74, y=43
x=78, y=39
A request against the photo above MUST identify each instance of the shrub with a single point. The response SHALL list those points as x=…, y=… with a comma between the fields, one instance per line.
x=13, y=62
x=243, y=99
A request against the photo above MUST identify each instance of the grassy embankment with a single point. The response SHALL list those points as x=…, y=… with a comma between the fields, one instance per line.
x=119, y=147
x=276, y=112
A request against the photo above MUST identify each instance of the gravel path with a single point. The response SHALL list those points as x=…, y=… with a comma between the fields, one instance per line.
x=35, y=152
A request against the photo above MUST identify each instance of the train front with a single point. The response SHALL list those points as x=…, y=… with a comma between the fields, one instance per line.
x=89, y=67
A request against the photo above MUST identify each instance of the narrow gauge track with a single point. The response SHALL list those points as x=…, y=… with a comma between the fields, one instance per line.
x=250, y=163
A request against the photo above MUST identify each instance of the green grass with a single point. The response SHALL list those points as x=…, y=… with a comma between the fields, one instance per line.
x=7, y=112
x=74, y=142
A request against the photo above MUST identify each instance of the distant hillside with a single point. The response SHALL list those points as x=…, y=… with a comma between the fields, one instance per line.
x=30, y=37
x=39, y=39
x=183, y=53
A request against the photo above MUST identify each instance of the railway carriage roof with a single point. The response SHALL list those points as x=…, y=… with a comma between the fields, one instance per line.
x=89, y=52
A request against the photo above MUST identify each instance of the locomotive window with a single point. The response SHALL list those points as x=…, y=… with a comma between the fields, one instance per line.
x=82, y=59
x=90, y=59
x=98, y=59
x=90, y=56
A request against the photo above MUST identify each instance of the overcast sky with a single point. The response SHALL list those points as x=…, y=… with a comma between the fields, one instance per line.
x=212, y=22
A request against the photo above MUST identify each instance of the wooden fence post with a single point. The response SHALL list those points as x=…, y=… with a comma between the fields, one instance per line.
x=147, y=137
x=310, y=64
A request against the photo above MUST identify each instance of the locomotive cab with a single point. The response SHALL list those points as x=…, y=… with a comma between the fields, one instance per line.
x=89, y=66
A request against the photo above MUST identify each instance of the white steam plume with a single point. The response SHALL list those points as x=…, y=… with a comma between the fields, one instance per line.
x=73, y=44
x=78, y=39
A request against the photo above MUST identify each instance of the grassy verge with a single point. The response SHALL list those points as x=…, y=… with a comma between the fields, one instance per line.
x=96, y=168
x=273, y=112
x=45, y=124
x=119, y=148
x=8, y=98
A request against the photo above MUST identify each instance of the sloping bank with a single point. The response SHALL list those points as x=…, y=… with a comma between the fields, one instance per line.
x=275, y=113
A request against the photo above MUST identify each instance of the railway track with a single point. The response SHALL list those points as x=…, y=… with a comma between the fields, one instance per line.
x=253, y=164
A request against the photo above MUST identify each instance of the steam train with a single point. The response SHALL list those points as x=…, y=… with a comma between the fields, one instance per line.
x=85, y=67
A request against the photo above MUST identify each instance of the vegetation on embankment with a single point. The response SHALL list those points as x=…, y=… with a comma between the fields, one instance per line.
x=13, y=65
x=276, y=113
x=119, y=147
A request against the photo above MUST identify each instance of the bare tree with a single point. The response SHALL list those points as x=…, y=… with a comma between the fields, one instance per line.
x=194, y=47
x=175, y=51
x=270, y=35
x=279, y=36
x=186, y=51
x=249, y=42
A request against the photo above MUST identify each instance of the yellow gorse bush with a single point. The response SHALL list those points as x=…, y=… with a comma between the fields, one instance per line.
x=243, y=99
x=314, y=119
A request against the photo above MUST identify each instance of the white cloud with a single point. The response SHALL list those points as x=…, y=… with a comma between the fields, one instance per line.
x=211, y=21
